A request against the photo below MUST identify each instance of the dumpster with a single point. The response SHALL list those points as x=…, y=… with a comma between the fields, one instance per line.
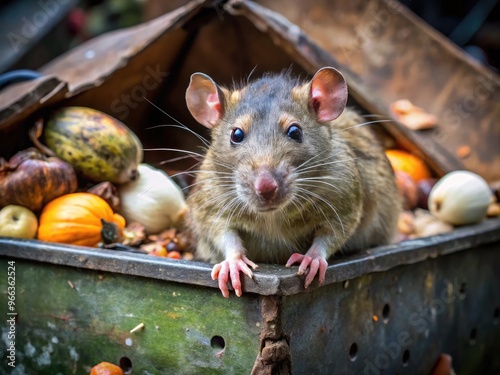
x=391, y=309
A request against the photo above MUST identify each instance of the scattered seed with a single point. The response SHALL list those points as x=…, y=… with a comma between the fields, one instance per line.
x=172, y=246
x=137, y=328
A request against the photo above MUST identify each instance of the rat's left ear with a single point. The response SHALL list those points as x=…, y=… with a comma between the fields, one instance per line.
x=328, y=94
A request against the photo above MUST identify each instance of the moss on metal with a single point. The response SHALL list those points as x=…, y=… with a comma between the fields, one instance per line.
x=71, y=319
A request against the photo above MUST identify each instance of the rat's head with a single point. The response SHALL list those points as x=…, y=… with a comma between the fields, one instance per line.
x=270, y=133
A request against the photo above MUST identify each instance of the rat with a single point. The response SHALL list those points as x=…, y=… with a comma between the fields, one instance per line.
x=290, y=176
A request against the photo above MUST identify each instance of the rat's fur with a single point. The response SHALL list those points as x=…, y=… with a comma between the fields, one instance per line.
x=336, y=184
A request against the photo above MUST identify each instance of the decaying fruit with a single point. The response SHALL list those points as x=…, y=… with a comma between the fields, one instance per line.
x=407, y=189
x=18, y=222
x=106, y=368
x=100, y=147
x=460, y=197
x=413, y=117
x=425, y=224
x=408, y=163
x=153, y=199
x=424, y=188
x=31, y=180
x=80, y=219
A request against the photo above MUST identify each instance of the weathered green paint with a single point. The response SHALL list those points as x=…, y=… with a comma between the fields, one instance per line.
x=432, y=308
x=65, y=330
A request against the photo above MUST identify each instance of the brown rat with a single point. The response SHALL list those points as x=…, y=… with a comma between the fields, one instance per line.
x=289, y=176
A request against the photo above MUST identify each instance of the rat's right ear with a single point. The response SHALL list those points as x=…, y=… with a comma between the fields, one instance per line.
x=205, y=100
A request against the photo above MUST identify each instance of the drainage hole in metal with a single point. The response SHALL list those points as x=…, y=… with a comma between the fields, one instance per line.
x=353, y=352
x=461, y=289
x=217, y=343
x=125, y=365
x=385, y=312
x=406, y=357
x=473, y=335
x=496, y=316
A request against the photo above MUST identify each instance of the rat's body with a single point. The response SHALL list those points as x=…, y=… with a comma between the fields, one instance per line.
x=285, y=175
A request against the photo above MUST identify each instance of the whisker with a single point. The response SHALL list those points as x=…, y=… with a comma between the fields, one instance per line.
x=223, y=210
x=328, y=163
x=200, y=171
x=309, y=160
x=205, y=142
x=372, y=115
x=319, y=178
x=335, y=188
x=177, y=159
x=233, y=211
x=164, y=112
x=221, y=201
x=226, y=185
x=317, y=208
x=366, y=123
x=299, y=209
x=251, y=72
x=175, y=150
x=328, y=204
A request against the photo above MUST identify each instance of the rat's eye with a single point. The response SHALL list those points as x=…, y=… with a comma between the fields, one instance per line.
x=294, y=132
x=237, y=136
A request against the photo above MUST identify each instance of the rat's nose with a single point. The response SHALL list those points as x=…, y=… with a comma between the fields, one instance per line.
x=266, y=185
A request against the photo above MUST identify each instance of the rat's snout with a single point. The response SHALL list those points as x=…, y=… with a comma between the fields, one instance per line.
x=266, y=185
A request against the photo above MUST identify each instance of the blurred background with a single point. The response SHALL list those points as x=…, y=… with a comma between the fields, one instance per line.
x=34, y=32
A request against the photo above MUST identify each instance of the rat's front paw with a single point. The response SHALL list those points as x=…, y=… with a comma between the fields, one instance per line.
x=230, y=268
x=312, y=261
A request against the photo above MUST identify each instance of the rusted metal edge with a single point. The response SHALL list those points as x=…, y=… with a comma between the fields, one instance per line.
x=28, y=93
x=62, y=67
x=268, y=279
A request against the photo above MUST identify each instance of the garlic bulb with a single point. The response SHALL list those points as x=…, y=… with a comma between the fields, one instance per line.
x=460, y=197
x=152, y=200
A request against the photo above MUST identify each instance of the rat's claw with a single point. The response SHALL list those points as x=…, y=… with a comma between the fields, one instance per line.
x=313, y=270
x=306, y=261
x=230, y=269
x=294, y=258
x=250, y=263
x=316, y=264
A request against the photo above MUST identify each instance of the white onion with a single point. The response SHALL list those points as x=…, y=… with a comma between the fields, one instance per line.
x=152, y=200
x=460, y=197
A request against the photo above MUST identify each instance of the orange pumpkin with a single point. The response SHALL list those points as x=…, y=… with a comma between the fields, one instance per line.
x=80, y=219
x=106, y=368
x=405, y=162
